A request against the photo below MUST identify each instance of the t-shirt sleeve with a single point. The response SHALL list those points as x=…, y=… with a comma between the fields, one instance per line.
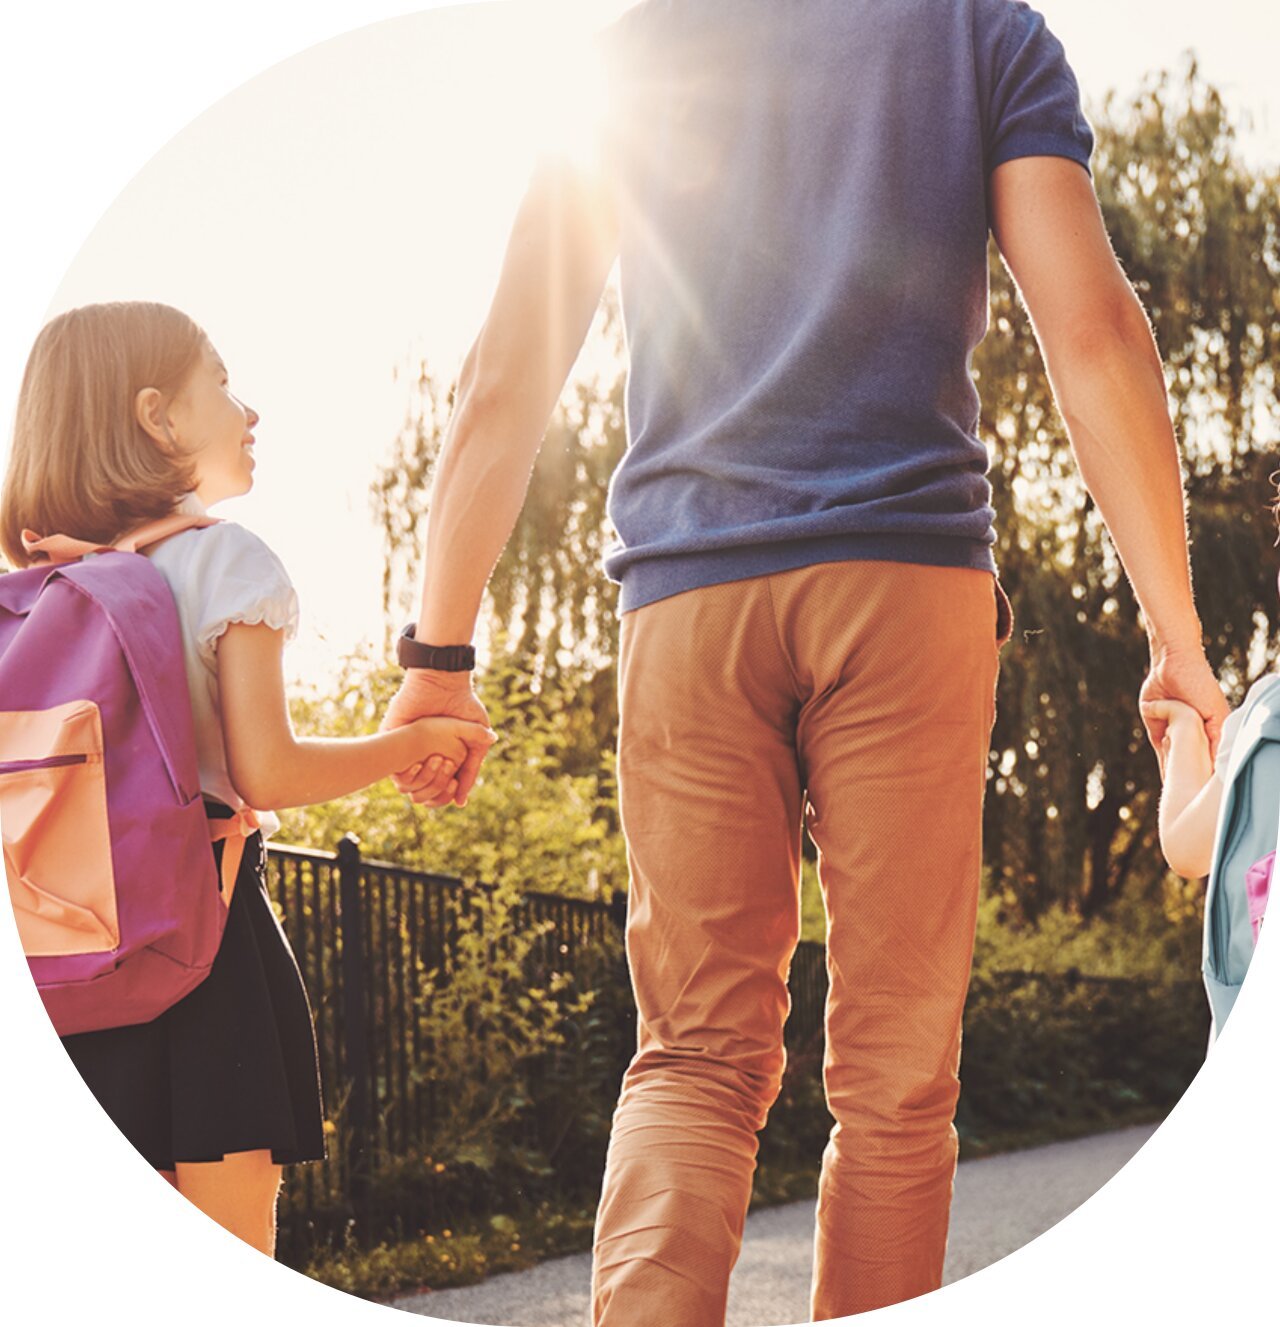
x=1034, y=108
x=237, y=578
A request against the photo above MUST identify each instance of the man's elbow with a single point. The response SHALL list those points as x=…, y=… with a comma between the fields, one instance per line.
x=1109, y=330
x=484, y=394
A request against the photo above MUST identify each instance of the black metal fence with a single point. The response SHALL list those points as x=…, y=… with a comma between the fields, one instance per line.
x=366, y=935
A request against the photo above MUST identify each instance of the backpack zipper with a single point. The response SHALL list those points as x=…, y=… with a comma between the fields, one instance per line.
x=50, y=762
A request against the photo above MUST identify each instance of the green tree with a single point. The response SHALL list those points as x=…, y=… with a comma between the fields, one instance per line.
x=1071, y=811
x=547, y=592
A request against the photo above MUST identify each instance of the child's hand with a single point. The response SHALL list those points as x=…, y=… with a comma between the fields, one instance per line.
x=1184, y=676
x=439, y=746
x=1182, y=723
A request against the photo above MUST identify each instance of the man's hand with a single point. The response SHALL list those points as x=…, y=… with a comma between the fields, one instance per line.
x=426, y=693
x=1182, y=675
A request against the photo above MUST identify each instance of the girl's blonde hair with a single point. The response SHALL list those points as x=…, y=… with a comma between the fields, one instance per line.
x=81, y=463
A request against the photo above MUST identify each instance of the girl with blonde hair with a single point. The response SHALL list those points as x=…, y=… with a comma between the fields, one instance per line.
x=126, y=416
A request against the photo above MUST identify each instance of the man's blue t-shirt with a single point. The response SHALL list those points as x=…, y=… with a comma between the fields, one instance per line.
x=802, y=189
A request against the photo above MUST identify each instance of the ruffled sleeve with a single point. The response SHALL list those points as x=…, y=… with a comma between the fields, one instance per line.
x=235, y=577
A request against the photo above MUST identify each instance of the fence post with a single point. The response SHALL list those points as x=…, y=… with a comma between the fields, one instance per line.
x=355, y=1040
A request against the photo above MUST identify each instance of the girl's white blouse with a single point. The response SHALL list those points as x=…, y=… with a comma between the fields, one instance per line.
x=220, y=575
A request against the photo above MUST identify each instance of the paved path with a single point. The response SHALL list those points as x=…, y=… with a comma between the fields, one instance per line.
x=1001, y=1203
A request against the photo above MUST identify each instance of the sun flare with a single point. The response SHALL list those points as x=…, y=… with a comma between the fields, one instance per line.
x=558, y=96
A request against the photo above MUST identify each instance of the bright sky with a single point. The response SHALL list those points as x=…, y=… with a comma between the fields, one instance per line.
x=345, y=211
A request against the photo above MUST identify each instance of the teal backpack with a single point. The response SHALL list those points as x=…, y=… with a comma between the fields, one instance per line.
x=1244, y=849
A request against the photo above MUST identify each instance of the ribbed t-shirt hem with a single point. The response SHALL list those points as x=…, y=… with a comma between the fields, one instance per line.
x=656, y=578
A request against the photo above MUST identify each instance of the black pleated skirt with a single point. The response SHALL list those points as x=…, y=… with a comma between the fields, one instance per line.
x=232, y=1066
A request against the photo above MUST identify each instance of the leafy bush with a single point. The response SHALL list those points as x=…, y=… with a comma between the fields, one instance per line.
x=1155, y=940
x=483, y=1023
x=532, y=821
x=1053, y=1056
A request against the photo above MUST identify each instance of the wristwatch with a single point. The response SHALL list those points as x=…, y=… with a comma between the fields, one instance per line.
x=412, y=653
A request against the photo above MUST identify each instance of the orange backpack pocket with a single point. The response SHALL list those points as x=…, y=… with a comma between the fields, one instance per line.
x=53, y=819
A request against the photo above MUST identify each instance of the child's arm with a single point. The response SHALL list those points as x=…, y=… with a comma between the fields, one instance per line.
x=272, y=769
x=1192, y=791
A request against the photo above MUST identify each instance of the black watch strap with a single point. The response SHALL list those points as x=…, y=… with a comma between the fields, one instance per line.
x=413, y=653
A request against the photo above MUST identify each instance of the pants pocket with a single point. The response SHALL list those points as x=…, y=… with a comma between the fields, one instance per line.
x=1004, y=615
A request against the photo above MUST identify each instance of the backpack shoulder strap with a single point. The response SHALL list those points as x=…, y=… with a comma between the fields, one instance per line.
x=1259, y=722
x=156, y=532
x=58, y=549
x=1259, y=719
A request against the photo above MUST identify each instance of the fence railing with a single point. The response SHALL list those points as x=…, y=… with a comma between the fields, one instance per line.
x=366, y=935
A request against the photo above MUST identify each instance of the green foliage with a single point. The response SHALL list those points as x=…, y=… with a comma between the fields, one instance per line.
x=1136, y=938
x=813, y=914
x=449, y=1257
x=519, y=1046
x=1071, y=807
x=1050, y=1056
x=792, y=1142
x=575, y=1083
x=485, y=1019
x=540, y=816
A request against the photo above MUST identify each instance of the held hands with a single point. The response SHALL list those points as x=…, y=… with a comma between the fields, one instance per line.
x=453, y=752
x=441, y=746
x=1180, y=682
x=1183, y=726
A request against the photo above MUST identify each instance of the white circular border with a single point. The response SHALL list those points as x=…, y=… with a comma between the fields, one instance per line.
x=1185, y=1232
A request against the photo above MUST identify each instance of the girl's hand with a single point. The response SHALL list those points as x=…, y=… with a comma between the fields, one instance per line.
x=1178, y=715
x=426, y=693
x=441, y=746
x=1183, y=676
x=1180, y=722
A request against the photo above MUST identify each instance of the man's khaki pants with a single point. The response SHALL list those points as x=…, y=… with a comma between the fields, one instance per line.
x=864, y=693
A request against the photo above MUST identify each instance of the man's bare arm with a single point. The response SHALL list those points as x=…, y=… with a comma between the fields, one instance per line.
x=1107, y=378
x=562, y=247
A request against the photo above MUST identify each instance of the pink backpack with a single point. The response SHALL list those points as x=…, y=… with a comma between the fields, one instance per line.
x=106, y=843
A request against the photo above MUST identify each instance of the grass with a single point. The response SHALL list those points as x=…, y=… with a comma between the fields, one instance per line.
x=458, y=1257
x=468, y=1254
